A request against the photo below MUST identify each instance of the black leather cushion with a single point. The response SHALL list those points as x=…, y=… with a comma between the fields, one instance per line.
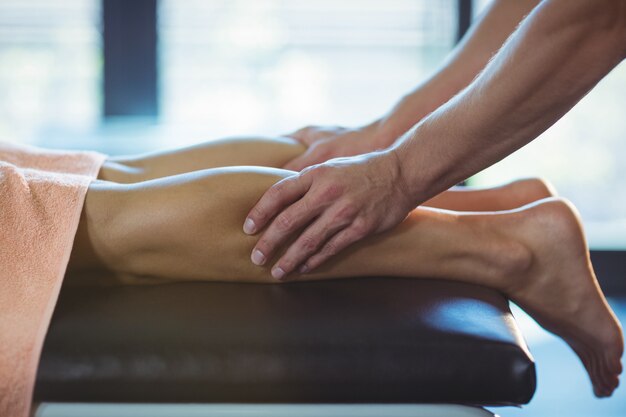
x=361, y=340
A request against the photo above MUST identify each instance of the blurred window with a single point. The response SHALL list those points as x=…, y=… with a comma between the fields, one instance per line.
x=245, y=66
x=583, y=154
x=270, y=66
x=49, y=66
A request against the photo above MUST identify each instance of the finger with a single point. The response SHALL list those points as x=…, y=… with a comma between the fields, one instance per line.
x=277, y=197
x=301, y=135
x=310, y=135
x=311, y=240
x=305, y=160
x=292, y=219
x=336, y=244
x=297, y=136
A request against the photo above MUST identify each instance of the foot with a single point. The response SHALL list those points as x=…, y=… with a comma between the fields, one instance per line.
x=505, y=197
x=529, y=190
x=559, y=289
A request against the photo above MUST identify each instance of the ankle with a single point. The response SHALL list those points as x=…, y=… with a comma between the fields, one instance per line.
x=529, y=190
x=514, y=261
x=500, y=259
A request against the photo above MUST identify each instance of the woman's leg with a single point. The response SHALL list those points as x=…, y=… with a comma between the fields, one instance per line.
x=237, y=151
x=147, y=228
x=505, y=197
x=189, y=228
x=276, y=152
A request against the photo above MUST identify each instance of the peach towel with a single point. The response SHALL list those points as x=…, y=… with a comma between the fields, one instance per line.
x=41, y=197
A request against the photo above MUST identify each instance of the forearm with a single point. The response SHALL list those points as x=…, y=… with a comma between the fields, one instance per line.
x=467, y=59
x=560, y=52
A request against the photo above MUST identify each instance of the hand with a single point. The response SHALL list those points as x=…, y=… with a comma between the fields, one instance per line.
x=330, y=206
x=327, y=142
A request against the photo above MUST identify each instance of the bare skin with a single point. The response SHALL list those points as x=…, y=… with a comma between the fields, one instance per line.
x=537, y=75
x=188, y=227
x=169, y=229
x=466, y=60
x=275, y=152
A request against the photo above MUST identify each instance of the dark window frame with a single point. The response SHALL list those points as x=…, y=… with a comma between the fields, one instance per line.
x=130, y=81
x=464, y=9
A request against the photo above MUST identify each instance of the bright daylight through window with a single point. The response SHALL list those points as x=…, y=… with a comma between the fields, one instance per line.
x=232, y=67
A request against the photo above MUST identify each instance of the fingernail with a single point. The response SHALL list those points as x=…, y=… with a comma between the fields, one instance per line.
x=257, y=257
x=278, y=273
x=303, y=269
x=249, y=227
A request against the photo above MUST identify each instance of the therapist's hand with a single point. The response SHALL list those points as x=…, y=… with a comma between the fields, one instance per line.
x=327, y=142
x=327, y=207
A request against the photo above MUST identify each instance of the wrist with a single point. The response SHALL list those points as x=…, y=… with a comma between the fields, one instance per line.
x=404, y=116
x=416, y=106
x=380, y=133
x=401, y=178
x=414, y=173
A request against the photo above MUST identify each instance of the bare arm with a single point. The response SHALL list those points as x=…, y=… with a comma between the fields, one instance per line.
x=467, y=59
x=563, y=48
x=559, y=53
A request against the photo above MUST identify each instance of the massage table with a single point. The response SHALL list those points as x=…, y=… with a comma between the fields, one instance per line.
x=359, y=347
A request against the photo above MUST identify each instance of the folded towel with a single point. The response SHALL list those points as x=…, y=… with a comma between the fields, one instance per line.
x=41, y=197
